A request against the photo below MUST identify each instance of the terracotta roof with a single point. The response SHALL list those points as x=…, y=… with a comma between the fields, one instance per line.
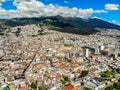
x=69, y=87
x=62, y=65
x=75, y=66
x=24, y=88
x=79, y=71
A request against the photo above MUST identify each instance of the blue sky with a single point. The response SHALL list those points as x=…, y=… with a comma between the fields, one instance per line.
x=108, y=10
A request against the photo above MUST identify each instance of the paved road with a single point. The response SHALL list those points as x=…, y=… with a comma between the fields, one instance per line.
x=23, y=74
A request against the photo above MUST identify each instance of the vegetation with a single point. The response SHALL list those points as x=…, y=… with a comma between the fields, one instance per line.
x=50, y=27
x=118, y=70
x=1, y=33
x=87, y=88
x=34, y=85
x=62, y=24
x=114, y=86
x=40, y=32
x=68, y=45
x=108, y=73
x=17, y=33
x=65, y=80
x=84, y=73
x=8, y=31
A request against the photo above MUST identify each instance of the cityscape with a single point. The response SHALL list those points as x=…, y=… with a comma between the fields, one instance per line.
x=58, y=51
x=55, y=59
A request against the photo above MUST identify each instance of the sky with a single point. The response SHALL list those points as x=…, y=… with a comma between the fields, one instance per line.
x=108, y=10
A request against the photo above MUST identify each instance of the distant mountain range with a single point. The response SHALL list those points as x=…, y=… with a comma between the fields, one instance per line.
x=64, y=24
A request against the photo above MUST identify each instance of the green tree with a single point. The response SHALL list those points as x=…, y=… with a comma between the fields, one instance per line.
x=87, y=88
x=33, y=85
x=65, y=80
x=17, y=33
x=84, y=73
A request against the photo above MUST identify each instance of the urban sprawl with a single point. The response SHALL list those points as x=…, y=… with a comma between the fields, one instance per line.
x=34, y=58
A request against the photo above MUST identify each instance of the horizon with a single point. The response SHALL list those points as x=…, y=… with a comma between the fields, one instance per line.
x=105, y=10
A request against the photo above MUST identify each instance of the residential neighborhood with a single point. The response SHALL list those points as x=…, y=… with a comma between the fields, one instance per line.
x=35, y=58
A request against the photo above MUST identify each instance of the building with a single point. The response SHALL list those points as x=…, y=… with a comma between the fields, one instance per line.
x=69, y=87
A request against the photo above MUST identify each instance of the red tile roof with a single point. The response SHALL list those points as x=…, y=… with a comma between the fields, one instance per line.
x=69, y=87
x=24, y=88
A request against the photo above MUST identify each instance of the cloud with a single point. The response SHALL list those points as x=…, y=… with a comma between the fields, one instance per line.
x=35, y=8
x=98, y=18
x=100, y=11
x=2, y=0
x=112, y=7
x=113, y=21
x=66, y=2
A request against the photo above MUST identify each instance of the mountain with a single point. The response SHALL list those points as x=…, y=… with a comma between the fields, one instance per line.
x=64, y=24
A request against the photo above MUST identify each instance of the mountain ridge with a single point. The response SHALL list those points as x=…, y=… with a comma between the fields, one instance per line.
x=64, y=24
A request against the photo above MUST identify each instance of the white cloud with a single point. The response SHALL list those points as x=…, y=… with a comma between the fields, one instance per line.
x=2, y=0
x=98, y=18
x=113, y=21
x=100, y=11
x=34, y=8
x=66, y=2
x=112, y=7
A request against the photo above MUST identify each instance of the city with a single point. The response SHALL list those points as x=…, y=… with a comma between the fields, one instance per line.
x=55, y=60
x=59, y=45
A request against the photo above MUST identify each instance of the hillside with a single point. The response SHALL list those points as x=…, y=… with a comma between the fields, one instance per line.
x=64, y=24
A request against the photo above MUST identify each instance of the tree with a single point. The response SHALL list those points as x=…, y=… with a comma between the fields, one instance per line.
x=33, y=85
x=17, y=33
x=65, y=80
x=117, y=85
x=84, y=73
x=1, y=33
x=87, y=88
